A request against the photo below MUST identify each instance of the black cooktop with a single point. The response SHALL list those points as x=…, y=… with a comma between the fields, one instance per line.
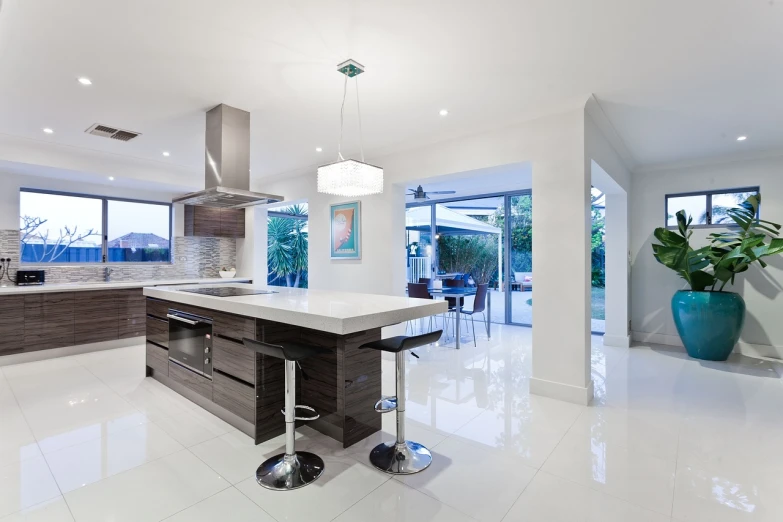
x=227, y=291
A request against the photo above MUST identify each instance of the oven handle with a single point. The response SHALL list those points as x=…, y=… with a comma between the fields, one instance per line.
x=182, y=319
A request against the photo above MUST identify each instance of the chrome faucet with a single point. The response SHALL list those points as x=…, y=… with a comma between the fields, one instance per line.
x=107, y=274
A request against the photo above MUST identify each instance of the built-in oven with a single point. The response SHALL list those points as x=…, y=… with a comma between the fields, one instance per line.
x=190, y=341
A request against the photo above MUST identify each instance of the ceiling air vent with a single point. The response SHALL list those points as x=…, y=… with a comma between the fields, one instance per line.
x=111, y=132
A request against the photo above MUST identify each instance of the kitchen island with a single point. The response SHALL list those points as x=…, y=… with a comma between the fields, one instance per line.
x=246, y=389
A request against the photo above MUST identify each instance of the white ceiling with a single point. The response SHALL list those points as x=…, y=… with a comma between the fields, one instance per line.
x=678, y=80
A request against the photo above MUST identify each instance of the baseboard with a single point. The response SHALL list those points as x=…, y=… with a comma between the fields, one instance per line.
x=53, y=353
x=757, y=351
x=620, y=341
x=562, y=392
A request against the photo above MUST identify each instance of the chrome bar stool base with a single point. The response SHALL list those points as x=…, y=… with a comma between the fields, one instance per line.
x=286, y=472
x=404, y=458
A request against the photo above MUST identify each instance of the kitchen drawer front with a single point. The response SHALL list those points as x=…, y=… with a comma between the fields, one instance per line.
x=11, y=324
x=48, y=321
x=234, y=359
x=233, y=326
x=157, y=308
x=235, y=396
x=157, y=330
x=135, y=326
x=95, y=316
x=190, y=380
x=158, y=359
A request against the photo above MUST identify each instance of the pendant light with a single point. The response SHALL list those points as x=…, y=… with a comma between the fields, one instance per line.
x=349, y=177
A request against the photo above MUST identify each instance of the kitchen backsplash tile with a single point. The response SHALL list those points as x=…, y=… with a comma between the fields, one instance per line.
x=192, y=257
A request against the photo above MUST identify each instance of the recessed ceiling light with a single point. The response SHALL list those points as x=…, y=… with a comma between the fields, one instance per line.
x=741, y=138
x=319, y=149
x=47, y=130
x=444, y=112
x=111, y=178
x=85, y=81
x=166, y=154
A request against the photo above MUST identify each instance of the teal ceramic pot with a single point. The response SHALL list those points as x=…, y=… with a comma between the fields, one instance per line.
x=709, y=323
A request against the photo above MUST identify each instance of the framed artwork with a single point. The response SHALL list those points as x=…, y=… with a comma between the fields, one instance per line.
x=345, y=225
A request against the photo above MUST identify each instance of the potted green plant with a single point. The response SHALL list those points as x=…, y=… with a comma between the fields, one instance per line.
x=708, y=319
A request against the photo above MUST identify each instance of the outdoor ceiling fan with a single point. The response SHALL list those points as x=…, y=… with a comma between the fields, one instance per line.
x=420, y=195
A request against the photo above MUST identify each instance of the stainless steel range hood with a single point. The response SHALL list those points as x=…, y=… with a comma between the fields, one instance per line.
x=227, y=170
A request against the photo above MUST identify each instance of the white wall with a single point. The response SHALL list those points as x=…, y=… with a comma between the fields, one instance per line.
x=653, y=284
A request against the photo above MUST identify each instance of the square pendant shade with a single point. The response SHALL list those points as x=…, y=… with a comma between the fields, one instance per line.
x=350, y=178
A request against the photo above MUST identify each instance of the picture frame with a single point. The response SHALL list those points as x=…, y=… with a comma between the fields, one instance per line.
x=345, y=230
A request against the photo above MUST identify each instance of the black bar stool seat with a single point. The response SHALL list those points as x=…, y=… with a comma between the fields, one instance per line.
x=289, y=470
x=401, y=457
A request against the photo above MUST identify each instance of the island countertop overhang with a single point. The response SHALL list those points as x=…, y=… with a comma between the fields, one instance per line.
x=328, y=311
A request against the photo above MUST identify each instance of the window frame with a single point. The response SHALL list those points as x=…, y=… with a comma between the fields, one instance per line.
x=105, y=228
x=708, y=194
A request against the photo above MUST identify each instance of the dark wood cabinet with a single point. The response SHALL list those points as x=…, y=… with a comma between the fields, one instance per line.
x=191, y=380
x=95, y=316
x=132, y=308
x=234, y=359
x=11, y=324
x=235, y=396
x=214, y=222
x=48, y=321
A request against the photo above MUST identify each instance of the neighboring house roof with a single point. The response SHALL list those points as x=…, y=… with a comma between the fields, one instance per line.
x=138, y=240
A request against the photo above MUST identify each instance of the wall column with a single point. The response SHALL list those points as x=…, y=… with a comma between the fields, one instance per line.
x=561, y=277
x=617, y=271
x=251, y=250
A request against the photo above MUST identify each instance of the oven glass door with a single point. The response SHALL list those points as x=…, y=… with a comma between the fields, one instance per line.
x=190, y=337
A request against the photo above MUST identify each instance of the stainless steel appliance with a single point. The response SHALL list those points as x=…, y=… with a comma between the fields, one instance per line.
x=227, y=163
x=190, y=341
x=30, y=277
x=227, y=291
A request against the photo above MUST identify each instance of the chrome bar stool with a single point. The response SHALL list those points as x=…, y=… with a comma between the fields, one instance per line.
x=401, y=457
x=289, y=470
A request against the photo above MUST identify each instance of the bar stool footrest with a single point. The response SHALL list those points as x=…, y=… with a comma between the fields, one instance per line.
x=386, y=405
x=308, y=408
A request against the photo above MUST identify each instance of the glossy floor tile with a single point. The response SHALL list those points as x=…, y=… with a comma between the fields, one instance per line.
x=90, y=438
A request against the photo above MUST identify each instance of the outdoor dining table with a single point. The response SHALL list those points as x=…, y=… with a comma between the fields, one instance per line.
x=463, y=292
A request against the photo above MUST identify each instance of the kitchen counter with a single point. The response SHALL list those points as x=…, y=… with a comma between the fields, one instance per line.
x=79, y=287
x=339, y=313
x=246, y=388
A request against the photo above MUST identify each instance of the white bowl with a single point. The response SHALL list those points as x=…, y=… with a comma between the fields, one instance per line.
x=227, y=273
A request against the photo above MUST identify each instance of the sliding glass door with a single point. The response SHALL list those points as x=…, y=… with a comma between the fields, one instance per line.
x=519, y=258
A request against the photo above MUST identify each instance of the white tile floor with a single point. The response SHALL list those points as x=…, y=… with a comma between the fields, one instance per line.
x=88, y=438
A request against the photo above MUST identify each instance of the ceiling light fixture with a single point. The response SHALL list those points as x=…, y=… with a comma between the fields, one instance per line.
x=319, y=149
x=47, y=130
x=348, y=177
x=444, y=112
x=741, y=138
x=85, y=81
x=166, y=154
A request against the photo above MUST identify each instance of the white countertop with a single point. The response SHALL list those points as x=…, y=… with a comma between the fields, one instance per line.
x=80, y=287
x=335, y=312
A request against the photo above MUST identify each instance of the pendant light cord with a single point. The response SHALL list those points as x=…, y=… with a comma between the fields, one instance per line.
x=342, y=110
x=359, y=111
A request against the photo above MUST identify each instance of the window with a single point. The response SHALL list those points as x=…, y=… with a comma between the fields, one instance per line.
x=75, y=228
x=709, y=208
x=287, y=246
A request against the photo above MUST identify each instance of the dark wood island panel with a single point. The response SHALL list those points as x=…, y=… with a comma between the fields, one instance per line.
x=342, y=386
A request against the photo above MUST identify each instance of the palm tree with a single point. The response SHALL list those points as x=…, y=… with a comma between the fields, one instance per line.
x=287, y=245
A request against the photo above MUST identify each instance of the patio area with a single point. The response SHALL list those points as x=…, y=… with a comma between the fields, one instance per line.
x=522, y=309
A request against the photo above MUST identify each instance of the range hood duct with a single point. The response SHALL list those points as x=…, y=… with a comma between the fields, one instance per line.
x=227, y=169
